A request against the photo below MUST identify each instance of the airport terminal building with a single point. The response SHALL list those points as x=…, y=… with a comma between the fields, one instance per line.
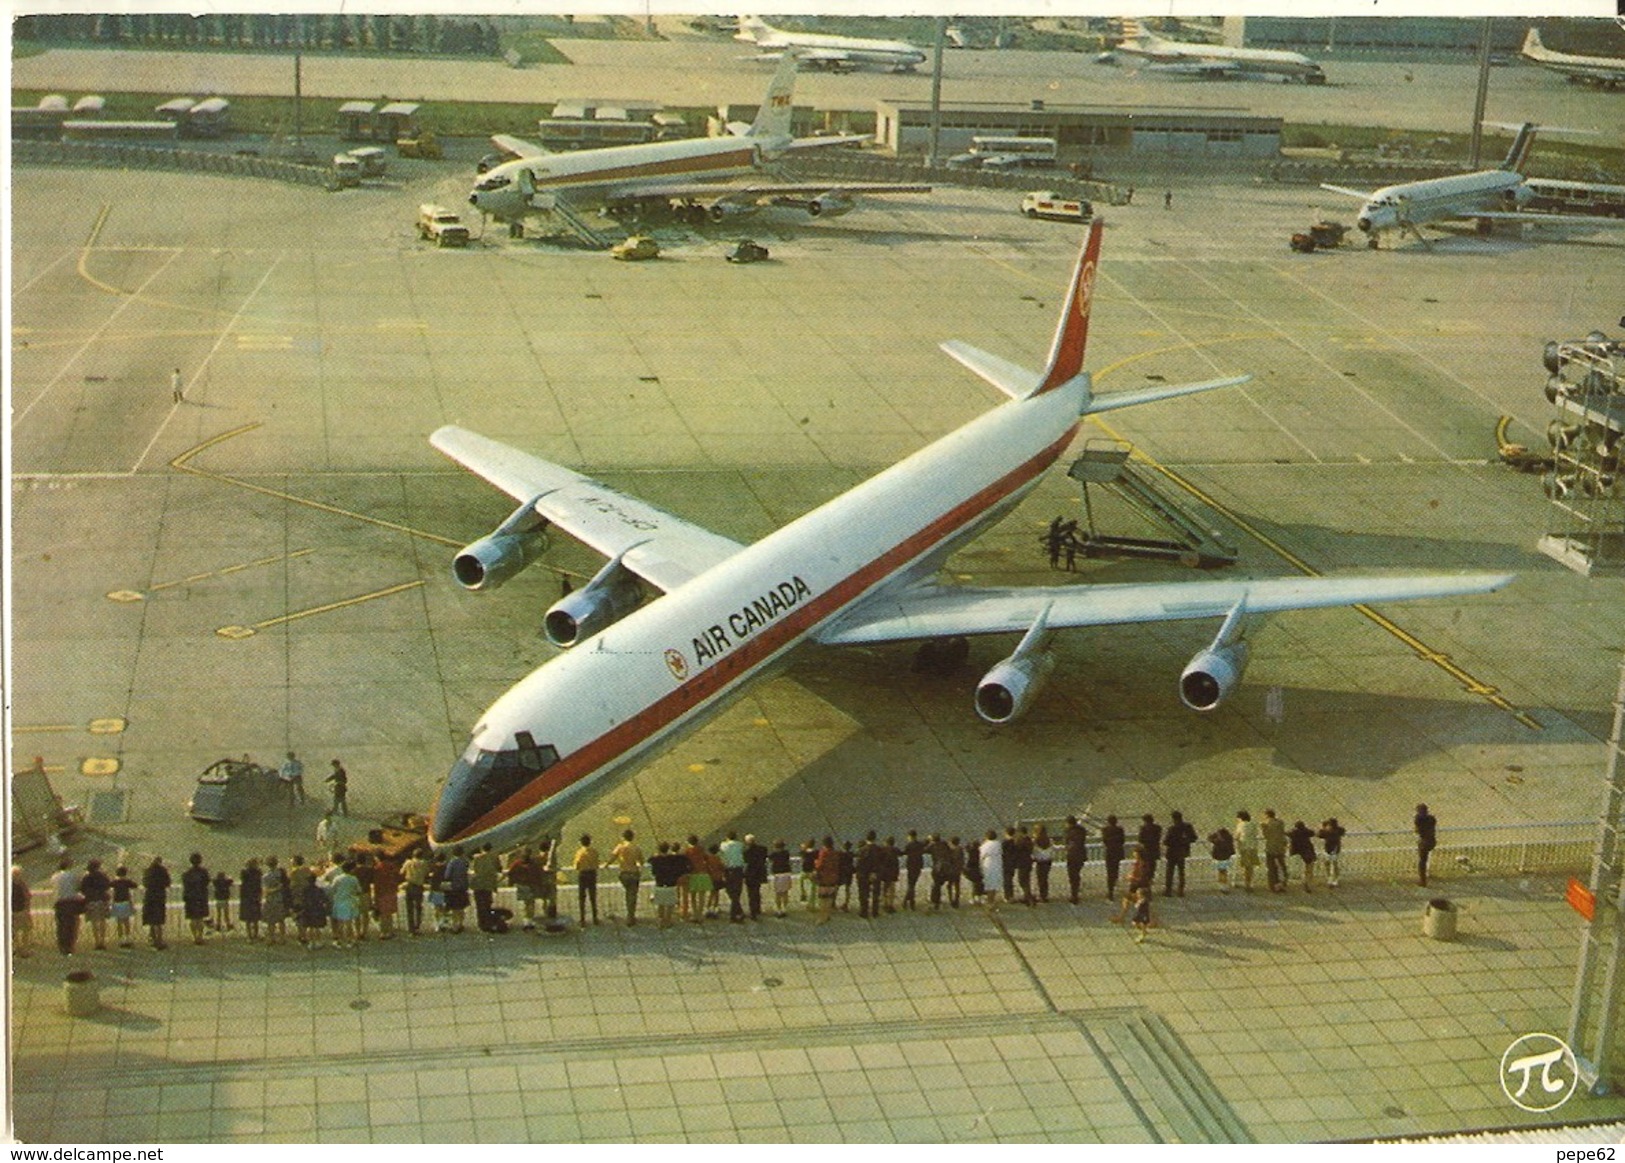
x=904, y=127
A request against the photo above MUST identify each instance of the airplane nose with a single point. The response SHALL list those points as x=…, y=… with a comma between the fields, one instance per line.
x=459, y=804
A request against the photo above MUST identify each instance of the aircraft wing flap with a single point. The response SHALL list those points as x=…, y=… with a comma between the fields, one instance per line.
x=951, y=611
x=664, y=550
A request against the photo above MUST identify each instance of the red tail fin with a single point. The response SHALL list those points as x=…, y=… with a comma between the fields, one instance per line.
x=1072, y=332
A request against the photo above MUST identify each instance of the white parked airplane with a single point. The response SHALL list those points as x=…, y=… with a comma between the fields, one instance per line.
x=685, y=173
x=821, y=51
x=1609, y=71
x=1488, y=196
x=862, y=568
x=1209, y=61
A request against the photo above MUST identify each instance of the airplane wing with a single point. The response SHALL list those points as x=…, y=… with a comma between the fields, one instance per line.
x=516, y=147
x=1344, y=190
x=663, y=550
x=1549, y=218
x=933, y=611
x=757, y=193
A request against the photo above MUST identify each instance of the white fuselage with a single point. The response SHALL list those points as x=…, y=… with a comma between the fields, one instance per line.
x=612, y=174
x=611, y=701
x=1456, y=196
x=1220, y=56
x=855, y=49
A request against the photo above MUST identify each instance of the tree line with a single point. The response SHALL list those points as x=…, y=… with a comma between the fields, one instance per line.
x=334, y=33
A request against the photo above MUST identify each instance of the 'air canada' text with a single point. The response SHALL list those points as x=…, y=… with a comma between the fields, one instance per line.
x=747, y=620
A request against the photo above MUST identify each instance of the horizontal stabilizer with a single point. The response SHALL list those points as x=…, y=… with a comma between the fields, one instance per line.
x=1013, y=380
x=1115, y=400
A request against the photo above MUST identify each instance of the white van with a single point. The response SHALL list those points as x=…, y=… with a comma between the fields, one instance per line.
x=1048, y=204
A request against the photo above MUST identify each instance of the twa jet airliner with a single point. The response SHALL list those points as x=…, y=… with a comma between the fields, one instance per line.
x=860, y=569
x=686, y=173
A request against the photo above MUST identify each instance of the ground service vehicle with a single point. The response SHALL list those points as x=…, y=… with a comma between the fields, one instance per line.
x=1320, y=236
x=748, y=250
x=229, y=789
x=636, y=248
x=1049, y=204
x=441, y=226
x=424, y=145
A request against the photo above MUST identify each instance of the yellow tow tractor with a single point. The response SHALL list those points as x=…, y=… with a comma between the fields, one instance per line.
x=424, y=145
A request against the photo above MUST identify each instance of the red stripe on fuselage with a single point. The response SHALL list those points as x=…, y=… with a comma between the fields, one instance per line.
x=735, y=667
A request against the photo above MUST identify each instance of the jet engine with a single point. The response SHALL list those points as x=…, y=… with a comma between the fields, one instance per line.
x=830, y=205
x=1517, y=197
x=495, y=558
x=1211, y=675
x=729, y=211
x=612, y=594
x=1008, y=690
x=1216, y=669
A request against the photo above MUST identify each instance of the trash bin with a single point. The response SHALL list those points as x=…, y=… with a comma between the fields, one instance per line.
x=1439, y=920
x=81, y=996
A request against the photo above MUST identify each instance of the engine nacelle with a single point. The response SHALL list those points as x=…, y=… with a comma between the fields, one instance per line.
x=492, y=560
x=830, y=205
x=1517, y=197
x=610, y=596
x=1008, y=690
x=1212, y=675
x=729, y=211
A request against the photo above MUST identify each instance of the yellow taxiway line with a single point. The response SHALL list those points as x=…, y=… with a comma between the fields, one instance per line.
x=235, y=632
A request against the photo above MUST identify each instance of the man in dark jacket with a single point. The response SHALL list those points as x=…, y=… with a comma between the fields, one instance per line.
x=913, y=864
x=1112, y=845
x=1076, y=840
x=1176, y=845
x=1427, y=839
x=1150, y=838
x=755, y=875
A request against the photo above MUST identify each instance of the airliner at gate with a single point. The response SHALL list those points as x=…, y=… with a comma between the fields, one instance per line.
x=635, y=675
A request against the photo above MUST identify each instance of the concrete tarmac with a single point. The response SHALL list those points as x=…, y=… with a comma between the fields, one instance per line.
x=265, y=566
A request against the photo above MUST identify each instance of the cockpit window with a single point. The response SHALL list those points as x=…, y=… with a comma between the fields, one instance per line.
x=483, y=779
x=495, y=183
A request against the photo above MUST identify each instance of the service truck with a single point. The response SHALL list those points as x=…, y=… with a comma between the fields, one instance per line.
x=441, y=226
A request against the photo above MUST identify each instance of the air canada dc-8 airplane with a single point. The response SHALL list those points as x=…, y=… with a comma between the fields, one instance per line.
x=860, y=569
x=688, y=172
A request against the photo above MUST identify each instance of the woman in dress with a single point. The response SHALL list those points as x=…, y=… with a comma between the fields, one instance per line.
x=251, y=897
x=346, y=890
x=123, y=906
x=274, y=893
x=195, y=895
x=155, y=882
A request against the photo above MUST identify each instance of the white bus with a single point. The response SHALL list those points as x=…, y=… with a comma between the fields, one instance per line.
x=991, y=152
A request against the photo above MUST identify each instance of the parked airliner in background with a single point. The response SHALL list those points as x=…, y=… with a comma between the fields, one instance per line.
x=1488, y=196
x=1209, y=61
x=1609, y=71
x=861, y=569
x=821, y=51
x=686, y=172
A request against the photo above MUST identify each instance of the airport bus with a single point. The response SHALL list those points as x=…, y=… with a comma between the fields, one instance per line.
x=991, y=152
x=1577, y=198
